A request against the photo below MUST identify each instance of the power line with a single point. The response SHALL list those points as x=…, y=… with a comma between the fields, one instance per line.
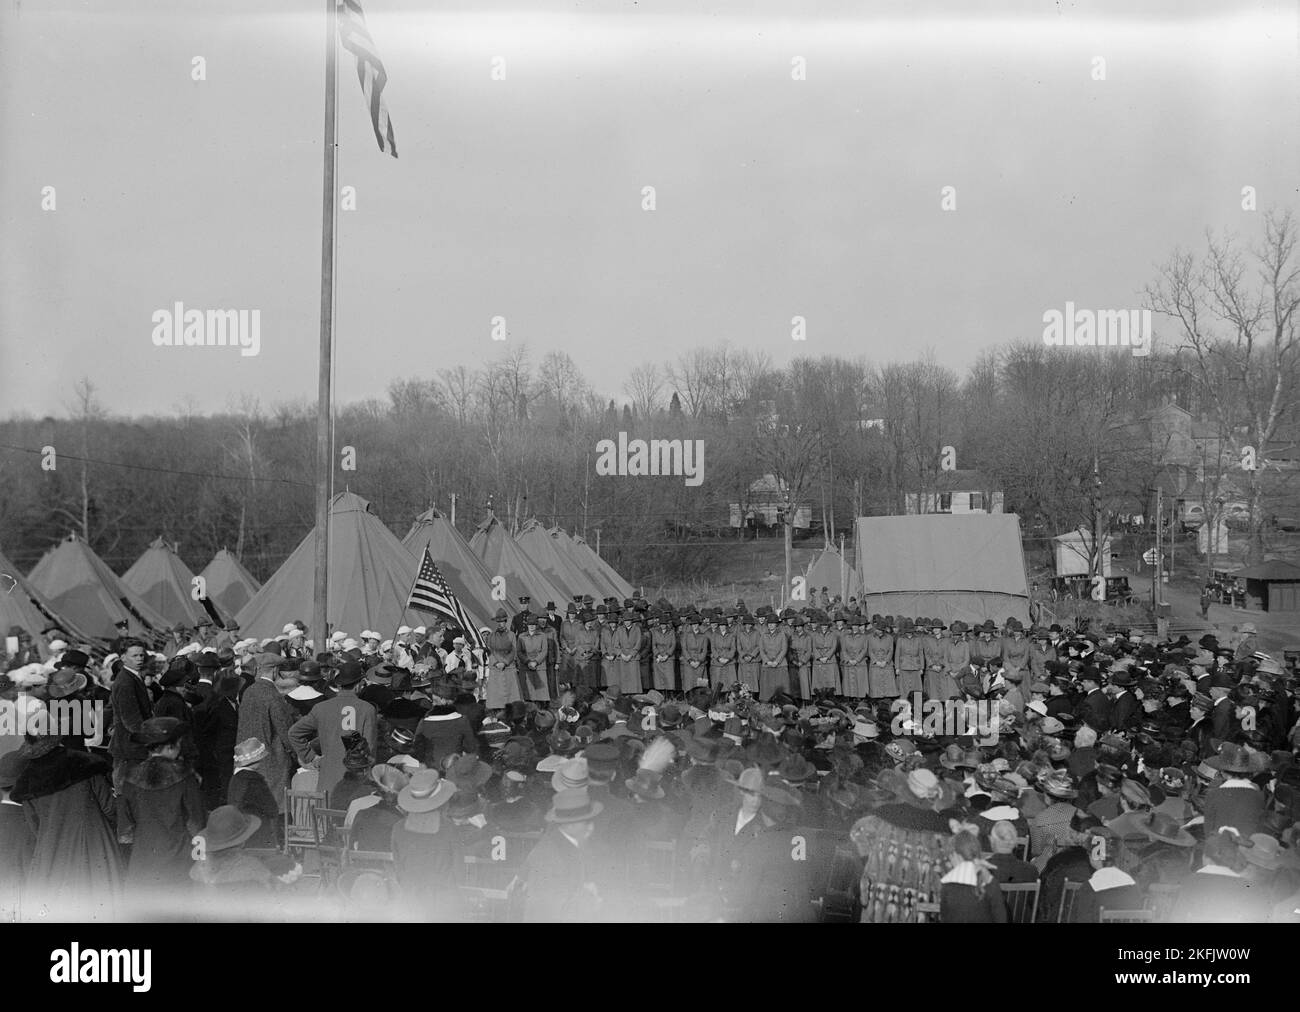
x=159, y=470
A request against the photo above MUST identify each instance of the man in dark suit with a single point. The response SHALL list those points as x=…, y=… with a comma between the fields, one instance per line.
x=1094, y=707
x=215, y=725
x=562, y=869
x=521, y=617
x=132, y=706
x=1222, y=722
x=1126, y=711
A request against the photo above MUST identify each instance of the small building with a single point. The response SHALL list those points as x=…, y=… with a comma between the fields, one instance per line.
x=765, y=506
x=1275, y=585
x=1072, y=553
x=955, y=492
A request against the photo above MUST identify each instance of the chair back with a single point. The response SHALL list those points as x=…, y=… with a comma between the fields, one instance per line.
x=652, y=867
x=485, y=905
x=1022, y=901
x=331, y=841
x=299, y=822
x=840, y=892
x=1021, y=849
x=1069, y=890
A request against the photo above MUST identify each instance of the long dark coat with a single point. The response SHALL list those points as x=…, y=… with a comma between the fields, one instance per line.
x=266, y=715
x=216, y=723
x=76, y=867
x=159, y=811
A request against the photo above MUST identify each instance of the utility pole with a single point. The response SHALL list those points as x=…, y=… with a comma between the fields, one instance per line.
x=453, y=509
x=1157, y=593
x=1098, y=531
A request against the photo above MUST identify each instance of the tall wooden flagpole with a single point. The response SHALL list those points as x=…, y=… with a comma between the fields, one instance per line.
x=324, y=452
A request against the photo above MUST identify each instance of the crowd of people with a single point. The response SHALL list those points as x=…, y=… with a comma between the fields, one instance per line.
x=630, y=756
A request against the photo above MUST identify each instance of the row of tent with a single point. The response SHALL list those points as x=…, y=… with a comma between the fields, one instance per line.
x=370, y=577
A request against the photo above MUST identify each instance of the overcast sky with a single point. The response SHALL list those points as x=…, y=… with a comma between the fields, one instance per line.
x=522, y=198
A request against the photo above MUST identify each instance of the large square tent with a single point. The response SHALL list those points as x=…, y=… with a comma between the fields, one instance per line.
x=968, y=567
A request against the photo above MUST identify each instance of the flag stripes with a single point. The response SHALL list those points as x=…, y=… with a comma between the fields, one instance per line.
x=431, y=593
x=355, y=38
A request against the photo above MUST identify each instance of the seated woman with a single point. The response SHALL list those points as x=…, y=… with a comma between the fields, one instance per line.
x=968, y=893
x=1107, y=888
x=226, y=874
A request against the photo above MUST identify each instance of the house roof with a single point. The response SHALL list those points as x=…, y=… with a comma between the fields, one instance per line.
x=1274, y=569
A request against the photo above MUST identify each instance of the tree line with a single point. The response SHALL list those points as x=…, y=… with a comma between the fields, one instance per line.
x=1070, y=436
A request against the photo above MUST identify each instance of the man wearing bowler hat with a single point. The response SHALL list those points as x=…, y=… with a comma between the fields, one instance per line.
x=1126, y=711
x=1094, y=707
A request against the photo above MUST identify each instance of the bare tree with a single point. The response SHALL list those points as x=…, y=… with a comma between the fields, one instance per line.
x=459, y=384
x=645, y=386
x=692, y=376
x=1236, y=315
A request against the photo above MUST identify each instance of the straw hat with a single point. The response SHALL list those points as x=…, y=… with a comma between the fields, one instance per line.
x=426, y=791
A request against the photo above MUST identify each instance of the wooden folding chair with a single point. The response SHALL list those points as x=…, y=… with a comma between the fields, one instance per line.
x=1069, y=890
x=489, y=904
x=1022, y=901
x=1126, y=917
x=1021, y=849
x=652, y=867
x=519, y=846
x=839, y=899
x=331, y=841
x=484, y=873
x=371, y=860
x=299, y=823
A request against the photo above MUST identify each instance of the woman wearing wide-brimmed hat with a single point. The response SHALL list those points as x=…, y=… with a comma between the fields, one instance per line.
x=1236, y=801
x=226, y=874
x=426, y=857
x=76, y=869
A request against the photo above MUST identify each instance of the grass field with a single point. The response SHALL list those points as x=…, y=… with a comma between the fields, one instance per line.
x=753, y=570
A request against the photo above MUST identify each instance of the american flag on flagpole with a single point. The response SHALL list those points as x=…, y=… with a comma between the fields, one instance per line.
x=355, y=38
x=431, y=593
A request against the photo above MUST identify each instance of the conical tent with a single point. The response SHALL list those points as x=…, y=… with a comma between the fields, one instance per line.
x=498, y=551
x=831, y=570
x=585, y=553
x=24, y=606
x=167, y=584
x=229, y=584
x=581, y=561
x=464, y=572
x=79, y=585
x=370, y=578
x=540, y=546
